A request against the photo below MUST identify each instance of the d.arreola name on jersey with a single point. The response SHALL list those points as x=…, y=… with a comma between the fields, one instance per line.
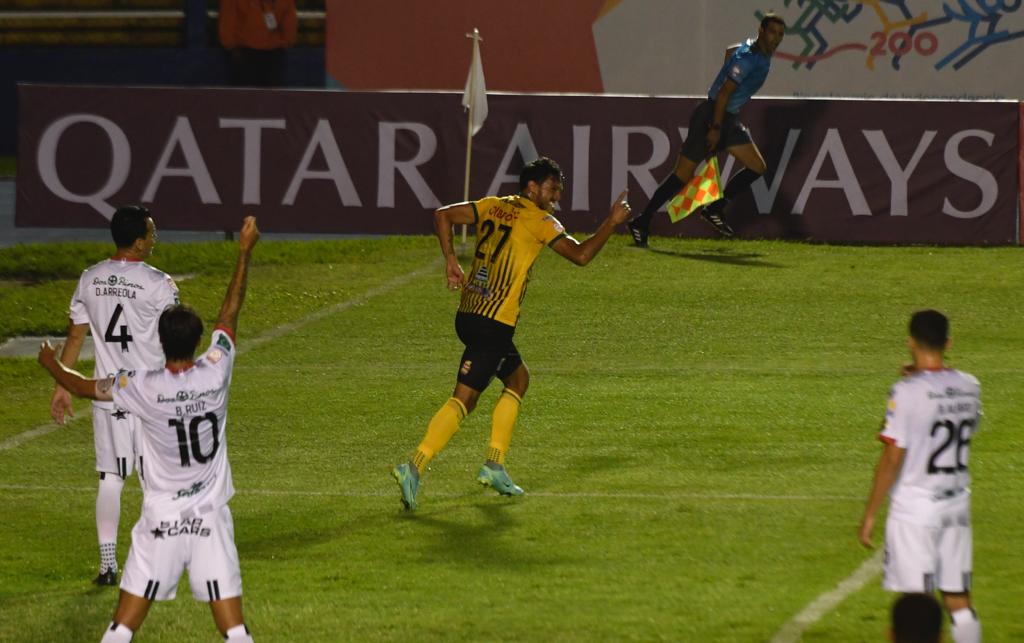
x=115, y=286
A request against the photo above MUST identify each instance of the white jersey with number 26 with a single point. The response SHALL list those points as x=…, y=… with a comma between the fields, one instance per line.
x=933, y=415
x=183, y=459
x=121, y=300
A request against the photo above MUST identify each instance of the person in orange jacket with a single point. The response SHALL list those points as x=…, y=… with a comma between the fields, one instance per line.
x=256, y=35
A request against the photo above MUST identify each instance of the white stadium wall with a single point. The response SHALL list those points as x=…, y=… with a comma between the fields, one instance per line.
x=954, y=49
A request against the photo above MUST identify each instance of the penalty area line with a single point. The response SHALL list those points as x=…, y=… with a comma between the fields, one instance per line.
x=268, y=336
x=792, y=631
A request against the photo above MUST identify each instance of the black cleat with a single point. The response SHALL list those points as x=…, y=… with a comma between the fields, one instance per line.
x=106, y=579
x=714, y=217
x=639, y=232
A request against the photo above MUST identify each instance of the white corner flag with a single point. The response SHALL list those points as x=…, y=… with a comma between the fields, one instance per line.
x=475, y=97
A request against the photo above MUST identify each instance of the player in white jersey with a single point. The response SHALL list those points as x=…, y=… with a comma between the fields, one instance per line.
x=119, y=301
x=932, y=416
x=183, y=463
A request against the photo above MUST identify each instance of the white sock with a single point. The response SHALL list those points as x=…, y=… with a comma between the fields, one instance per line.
x=238, y=634
x=117, y=633
x=966, y=626
x=108, y=514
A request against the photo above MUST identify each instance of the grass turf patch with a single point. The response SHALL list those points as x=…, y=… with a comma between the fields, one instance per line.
x=696, y=446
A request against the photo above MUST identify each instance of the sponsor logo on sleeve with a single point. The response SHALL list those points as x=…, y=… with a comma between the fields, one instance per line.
x=555, y=223
x=224, y=343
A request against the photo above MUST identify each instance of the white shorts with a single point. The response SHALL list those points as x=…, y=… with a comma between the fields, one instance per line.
x=162, y=550
x=924, y=559
x=113, y=434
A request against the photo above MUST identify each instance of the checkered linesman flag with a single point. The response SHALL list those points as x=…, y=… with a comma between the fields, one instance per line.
x=702, y=189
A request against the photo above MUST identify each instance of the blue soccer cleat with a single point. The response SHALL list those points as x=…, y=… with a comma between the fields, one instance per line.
x=498, y=480
x=408, y=481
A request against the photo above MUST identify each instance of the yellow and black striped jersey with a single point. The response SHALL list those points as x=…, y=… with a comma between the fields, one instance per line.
x=510, y=233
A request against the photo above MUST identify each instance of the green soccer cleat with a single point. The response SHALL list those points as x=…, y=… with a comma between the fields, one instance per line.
x=498, y=480
x=408, y=482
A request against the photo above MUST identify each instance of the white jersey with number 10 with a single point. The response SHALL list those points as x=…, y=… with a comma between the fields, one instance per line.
x=933, y=415
x=183, y=462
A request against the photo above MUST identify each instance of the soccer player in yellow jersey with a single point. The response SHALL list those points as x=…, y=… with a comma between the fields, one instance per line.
x=510, y=233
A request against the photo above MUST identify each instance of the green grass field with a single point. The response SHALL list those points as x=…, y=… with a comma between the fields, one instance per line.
x=696, y=444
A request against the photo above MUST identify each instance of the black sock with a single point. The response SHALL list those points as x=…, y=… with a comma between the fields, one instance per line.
x=740, y=182
x=668, y=189
x=736, y=185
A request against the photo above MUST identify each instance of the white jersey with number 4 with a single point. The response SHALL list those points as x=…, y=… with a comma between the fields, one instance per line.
x=933, y=415
x=121, y=300
x=183, y=457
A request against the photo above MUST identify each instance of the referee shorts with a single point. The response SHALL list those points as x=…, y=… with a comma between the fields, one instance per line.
x=733, y=131
x=489, y=350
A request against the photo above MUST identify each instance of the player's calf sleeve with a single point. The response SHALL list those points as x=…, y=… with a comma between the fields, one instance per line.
x=668, y=189
x=966, y=626
x=739, y=183
x=108, y=514
x=238, y=634
x=442, y=427
x=117, y=633
x=503, y=421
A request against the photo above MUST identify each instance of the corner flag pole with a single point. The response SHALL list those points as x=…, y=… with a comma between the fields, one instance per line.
x=475, y=100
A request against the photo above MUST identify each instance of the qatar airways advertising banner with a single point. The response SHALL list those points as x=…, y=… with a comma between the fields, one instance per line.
x=379, y=163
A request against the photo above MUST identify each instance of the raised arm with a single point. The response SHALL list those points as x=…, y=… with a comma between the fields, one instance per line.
x=60, y=401
x=444, y=218
x=228, y=317
x=73, y=381
x=581, y=253
x=730, y=50
x=886, y=471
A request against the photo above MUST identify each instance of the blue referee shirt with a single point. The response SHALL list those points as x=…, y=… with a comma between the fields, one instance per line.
x=748, y=68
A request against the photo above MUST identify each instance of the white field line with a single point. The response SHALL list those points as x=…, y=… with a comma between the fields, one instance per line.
x=39, y=431
x=792, y=631
x=317, y=315
x=541, y=494
x=246, y=345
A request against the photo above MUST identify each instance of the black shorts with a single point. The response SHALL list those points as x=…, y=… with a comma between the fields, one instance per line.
x=489, y=350
x=733, y=131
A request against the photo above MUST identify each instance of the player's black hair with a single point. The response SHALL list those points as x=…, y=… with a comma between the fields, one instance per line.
x=916, y=618
x=538, y=171
x=128, y=224
x=180, y=330
x=770, y=17
x=930, y=328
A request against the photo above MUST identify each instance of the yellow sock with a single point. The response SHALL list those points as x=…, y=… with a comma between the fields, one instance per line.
x=503, y=420
x=442, y=427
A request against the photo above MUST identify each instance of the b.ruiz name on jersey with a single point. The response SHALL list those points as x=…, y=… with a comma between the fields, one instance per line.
x=114, y=286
